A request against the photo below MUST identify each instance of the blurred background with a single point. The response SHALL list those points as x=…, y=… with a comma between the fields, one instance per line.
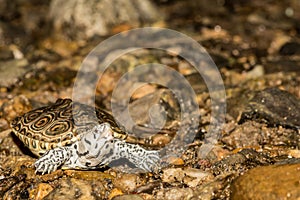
x=255, y=45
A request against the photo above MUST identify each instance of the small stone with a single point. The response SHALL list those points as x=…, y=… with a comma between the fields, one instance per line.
x=143, y=91
x=172, y=175
x=15, y=107
x=88, y=175
x=70, y=189
x=52, y=176
x=193, y=176
x=11, y=71
x=175, y=161
x=128, y=197
x=175, y=194
x=42, y=190
x=290, y=48
x=127, y=182
x=115, y=192
x=3, y=125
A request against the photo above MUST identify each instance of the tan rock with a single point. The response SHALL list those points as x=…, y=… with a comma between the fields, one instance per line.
x=268, y=182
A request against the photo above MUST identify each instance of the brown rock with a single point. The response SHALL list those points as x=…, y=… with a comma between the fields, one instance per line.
x=41, y=191
x=175, y=194
x=71, y=188
x=128, y=197
x=115, y=192
x=268, y=182
x=127, y=182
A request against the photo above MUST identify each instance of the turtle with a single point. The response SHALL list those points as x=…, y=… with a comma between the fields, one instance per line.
x=72, y=135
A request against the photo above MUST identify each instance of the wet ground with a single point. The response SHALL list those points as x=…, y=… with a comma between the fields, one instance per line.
x=255, y=46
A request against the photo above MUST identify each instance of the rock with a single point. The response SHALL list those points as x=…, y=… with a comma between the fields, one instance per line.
x=11, y=71
x=240, y=162
x=70, y=189
x=89, y=18
x=42, y=190
x=115, y=192
x=290, y=48
x=268, y=182
x=3, y=125
x=127, y=182
x=190, y=176
x=88, y=175
x=274, y=107
x=172, y=174
x=193, y=176
x=5, y=53
x=155, y=109
x=256, y=135
x=175, y=160
x=128, y=197
x=15, y=107
x=175, y=194
x=7, y=183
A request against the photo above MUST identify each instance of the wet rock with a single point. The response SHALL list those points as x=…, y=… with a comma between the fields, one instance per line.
x=70, y=189
x=274, y=107
x=88, y=175
x=148, y=187
x=128, y=197
x=82, y=16
x=290, y=48
x=194, y=177
x=172, y=174
x=175, y=193
x=42, y=190
x=127, y=182
x=114, y=193
x=256, y=135
x=12, y=71
x=52, y=176
x=19, y=191
x=155, y=109
x=190, y=176
x=282, y=65
x=268, y=182
x=7, y=183
x=240, y=162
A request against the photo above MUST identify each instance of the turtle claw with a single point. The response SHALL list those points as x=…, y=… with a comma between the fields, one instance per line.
x=144, y=159
x=51, y=160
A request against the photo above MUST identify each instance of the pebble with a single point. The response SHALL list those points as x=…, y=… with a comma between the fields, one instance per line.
x=11, y=71
x=268, y=182
x=128, y=197
x=175, y=194
x=115, y=192
x=190, y=176
x=70, y=189
x=290, y=48
x=127, y=182
x=42, y=190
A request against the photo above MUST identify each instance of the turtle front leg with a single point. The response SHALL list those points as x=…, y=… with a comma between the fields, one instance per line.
x=52, y=159
x=144, y=159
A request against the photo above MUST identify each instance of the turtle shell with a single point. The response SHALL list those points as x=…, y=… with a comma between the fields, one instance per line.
x=59, y=124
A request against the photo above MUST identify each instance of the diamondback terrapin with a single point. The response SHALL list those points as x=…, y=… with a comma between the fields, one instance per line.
x=70, y=135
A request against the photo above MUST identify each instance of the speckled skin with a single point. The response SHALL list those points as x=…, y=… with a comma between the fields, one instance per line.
x=96, y=149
